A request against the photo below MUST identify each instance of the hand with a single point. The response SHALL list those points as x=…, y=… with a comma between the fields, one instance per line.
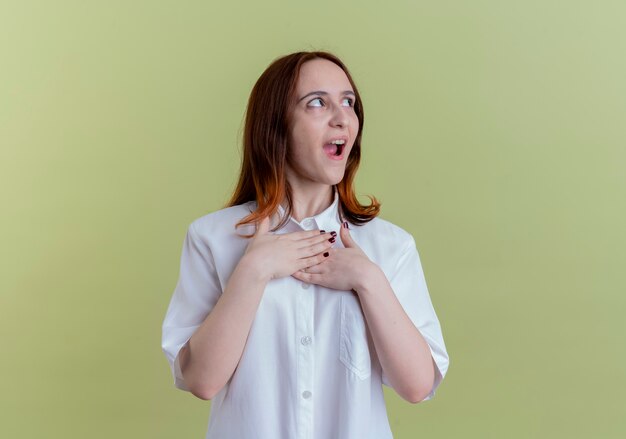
x=344, y=269
x=278, y=256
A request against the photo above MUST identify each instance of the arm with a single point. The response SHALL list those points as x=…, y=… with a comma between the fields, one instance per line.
x=399, y=314
x=403, y=353
x=205, y=329
x=214, y=350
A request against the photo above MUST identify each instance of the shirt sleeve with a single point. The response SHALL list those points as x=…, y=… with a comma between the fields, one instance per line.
x=409, y=286
x=196, y=293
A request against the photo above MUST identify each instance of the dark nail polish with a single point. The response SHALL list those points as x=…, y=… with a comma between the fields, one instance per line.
x=345, y=224
x=322, y=232
x=333, y=233
x=332, y=239
x=326, y=254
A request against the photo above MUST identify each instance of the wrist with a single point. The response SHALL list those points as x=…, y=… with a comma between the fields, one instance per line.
x=368, y=279
x=253, y=269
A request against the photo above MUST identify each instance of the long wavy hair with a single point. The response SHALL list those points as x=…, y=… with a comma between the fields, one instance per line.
x=265, y=144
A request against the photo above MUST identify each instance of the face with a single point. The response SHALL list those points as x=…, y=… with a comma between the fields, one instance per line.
x=323, y=111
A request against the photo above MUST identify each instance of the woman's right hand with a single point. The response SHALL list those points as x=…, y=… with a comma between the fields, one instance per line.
x=277, y=256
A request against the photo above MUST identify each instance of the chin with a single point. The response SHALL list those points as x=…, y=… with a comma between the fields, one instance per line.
x=334, y=181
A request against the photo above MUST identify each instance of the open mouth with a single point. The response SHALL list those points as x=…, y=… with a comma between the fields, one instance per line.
x=334, y=150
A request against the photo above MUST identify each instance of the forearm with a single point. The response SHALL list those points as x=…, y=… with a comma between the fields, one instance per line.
x=215, y=349
x=403, y=353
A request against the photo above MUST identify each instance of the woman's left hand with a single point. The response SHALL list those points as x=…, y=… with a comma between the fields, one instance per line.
x=344, y=269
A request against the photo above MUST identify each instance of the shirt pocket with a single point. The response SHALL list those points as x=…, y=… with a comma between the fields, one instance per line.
x=354, y=351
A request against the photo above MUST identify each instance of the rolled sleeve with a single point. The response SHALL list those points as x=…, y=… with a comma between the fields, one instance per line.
x=409, y=285
x=196, y=293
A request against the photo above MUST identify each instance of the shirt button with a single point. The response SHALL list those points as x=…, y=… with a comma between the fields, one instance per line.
x=305, y=340
x=305, y=285
x=306, y=394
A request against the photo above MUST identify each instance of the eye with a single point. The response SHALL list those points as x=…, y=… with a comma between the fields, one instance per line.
x=316, y=99
x=350, y=100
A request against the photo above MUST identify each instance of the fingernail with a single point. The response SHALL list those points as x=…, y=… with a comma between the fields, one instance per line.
x=345, y=224
x=322, y=232
x=332, y=239
x=333, y=233
x=326, y=254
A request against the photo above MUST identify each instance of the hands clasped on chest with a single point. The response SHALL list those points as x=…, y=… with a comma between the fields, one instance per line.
x=308, y=256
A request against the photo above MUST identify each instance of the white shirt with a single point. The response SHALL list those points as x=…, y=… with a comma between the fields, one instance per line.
x=309, y=369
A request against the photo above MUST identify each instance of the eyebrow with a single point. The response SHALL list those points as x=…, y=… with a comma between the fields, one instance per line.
x=325, y=93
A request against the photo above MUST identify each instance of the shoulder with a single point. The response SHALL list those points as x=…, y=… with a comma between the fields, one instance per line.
x=222, y=222
x=384, y=242
x=215, y=237
x=392, y=233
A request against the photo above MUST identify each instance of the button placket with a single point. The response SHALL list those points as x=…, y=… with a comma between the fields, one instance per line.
x=307, y=224
x=306, y=340
x=305, y=326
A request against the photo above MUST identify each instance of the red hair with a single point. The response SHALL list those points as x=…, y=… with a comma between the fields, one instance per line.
x=262, y=178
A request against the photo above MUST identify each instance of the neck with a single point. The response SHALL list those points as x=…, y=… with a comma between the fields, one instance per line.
x=308, y=203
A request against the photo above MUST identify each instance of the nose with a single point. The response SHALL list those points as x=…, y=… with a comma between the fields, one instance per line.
x=339, y=118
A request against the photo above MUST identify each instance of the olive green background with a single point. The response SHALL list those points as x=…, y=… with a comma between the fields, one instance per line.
x=494, y=133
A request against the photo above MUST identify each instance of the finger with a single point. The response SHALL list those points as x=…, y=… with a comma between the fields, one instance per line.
x=304, y=234
x=346, y=238
x=298, y=236
x=311, y=278
x=300, y=276
x=313, y=260
x=315, y=269
x=317, y=237
x=318, y=242
x=316, y=249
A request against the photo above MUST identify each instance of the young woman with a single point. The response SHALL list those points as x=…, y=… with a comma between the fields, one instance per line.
x=292, y=328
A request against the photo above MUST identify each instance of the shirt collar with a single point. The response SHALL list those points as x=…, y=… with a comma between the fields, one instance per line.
x=329, y=219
